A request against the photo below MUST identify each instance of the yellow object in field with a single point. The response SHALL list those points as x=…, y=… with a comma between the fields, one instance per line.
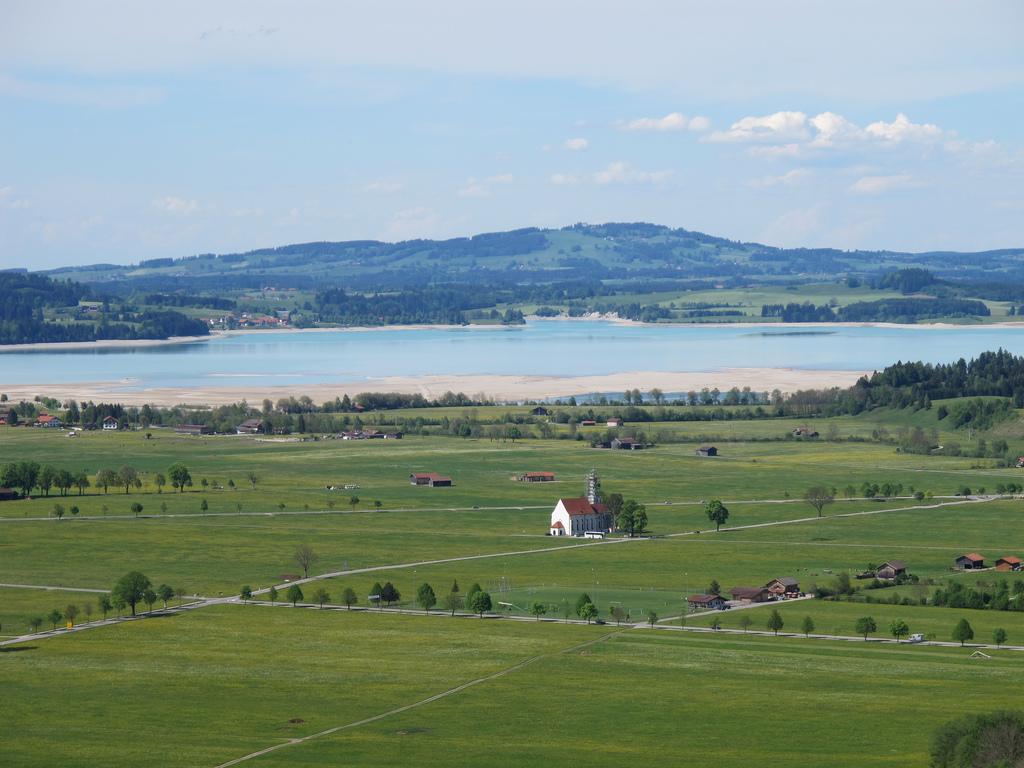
x=70, y=625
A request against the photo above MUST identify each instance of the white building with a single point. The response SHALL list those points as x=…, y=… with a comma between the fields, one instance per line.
x=581, y=515
x=110, y=423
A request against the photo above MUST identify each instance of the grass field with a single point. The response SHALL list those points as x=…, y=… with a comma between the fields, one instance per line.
x=233, y=679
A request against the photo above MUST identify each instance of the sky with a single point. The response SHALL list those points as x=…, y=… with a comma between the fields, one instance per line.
x=137, y=130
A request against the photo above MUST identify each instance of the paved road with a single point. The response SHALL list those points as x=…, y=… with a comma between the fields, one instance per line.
x=56, y=588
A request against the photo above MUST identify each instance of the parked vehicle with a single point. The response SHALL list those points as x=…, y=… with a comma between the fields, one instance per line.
x=917, y=637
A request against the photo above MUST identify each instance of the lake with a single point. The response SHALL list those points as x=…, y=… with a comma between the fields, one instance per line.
x=541, y=347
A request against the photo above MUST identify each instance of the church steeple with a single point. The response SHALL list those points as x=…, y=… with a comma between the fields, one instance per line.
x=593, y=488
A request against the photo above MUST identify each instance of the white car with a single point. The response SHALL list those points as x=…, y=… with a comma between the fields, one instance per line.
x=917, y=637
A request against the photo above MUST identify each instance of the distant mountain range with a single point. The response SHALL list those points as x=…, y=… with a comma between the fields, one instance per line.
x=630, y=252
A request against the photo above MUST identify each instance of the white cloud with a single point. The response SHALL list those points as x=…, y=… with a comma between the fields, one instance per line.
x=902, y=129
x=776, y=127
x=792, y=178
x=874, y=185
x=482, y=187
x=576, y=144
x=177, y=205
x=782, y=150
x=622, y=173
x=673, y=121
x=564, y=179
x=384, y=187
x=832, y=128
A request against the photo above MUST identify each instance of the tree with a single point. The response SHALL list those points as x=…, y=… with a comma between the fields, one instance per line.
x=745, y=621
x=34, y=623
x=105, y=606
x=998, y=636
x=63, y=480
x=714, y=588
x=425, y=596
x=179, y=476
x=81, y=482
x=618, y=613
x=253, y=478
x=586, y=611
x=305, y=557
x=87, y=610
x=159, y=481
x=46, y=477
x=165, y=593
x=375, y=591
x=349, y=597
x=58, y=511
x=245, y=593
x=105, y=478
x=963, y=632
x=716, y=512
x=128, y=476
x=640, y=519
x=992, y=740
x=136, y=508
x=204, y=505
x=353, y=502
x=652, y=618
x=818, y=496
x=775, y=622
x=71, y=613
x=321, y=596
x=898, y=628
x=149, y=596
x=865, y=626
x=272, y=594
x=53, y=617
x=389, y=594
x=377, y=504
x=453, y=602
x=627, y=517
x=131, y=588
x=480, y=602
x=294, y=594
x=807, y=626
x=538, y=610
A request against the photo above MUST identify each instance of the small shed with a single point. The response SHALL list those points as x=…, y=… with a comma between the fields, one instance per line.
x=1008, y=563
x=751, y=594
x=706, y=602
x=707, y=450
x=8, y=494
x=626, y=444
x=890, y=570
x=537, y=477
x=615, y=421
x=588, y=423
x=972, y=561
x=431, y=479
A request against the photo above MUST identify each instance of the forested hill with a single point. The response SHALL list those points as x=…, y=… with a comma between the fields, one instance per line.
x=634, y=252
x=35, y=308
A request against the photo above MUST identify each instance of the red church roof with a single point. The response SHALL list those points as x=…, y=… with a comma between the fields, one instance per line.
x=582, y=506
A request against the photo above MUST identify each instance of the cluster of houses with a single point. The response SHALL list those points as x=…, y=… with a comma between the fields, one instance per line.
x=783, y=588
x=370, y=434
x=622, y=444
x=615, y=421
x=972, y=561
x=431, y=479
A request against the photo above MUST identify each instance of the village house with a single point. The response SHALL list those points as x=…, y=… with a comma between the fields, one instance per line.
x=432, y=479
x=193, y=429
x=540, y=410
x=110, y=423
x=8, y=494
x=615, y=421
x=583, y=514
x=626, y=444
x=1020, y=462
x=972, y=561
x=537, y=477
x=706, y=603
x=49, y=422
x=588, y=423
x=250, y=427
x=804, y=432
x=707, y=450
x=1008, y=563
x=4, y=418
x=750, y=594
x=784, y=587
x=890, y=570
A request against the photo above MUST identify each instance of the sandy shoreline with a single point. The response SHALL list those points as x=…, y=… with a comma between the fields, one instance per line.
x=500, y=387
x=64, y=346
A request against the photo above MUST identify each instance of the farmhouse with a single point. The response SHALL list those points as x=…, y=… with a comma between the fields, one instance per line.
x=972, y=561
x=588, y=423
x=193, y=429
x=784, y=587
x=110, y=423
x=890, y=570
x=804, y=432
x=1008, y=563
x=8, y=494
x=47, y=421
x=432, y=479
x=706, y=602
x=4, y=417
x=1020, y=462
x=615, y=421
x=540, y=410
x=250, y=427
x=707, y=450
x=626, y=444
x=537, y=477
x=750, y=594
x=583, y=514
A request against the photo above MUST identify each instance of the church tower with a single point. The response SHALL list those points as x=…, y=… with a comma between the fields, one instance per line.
x=593, y=488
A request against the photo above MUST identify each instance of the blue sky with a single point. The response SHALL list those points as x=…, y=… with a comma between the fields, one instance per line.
x=136, y=130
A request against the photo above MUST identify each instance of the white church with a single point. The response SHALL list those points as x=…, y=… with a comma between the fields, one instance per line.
x=582, y=515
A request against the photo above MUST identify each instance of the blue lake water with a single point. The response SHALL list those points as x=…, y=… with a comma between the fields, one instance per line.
x=546, y=348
